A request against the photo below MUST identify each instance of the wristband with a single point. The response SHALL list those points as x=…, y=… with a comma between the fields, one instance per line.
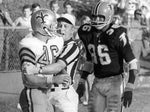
x=129, y=86
x=49, y=79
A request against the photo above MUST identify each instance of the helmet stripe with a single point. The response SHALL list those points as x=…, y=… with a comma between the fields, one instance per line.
x=98, y=8
x=95, y=11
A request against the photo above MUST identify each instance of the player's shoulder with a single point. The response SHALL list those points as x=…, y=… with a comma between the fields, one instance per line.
x=85, y=32
x=120, y=34
x=28, y=39
x=118, y=28
x=30, y=42
x=85, y=29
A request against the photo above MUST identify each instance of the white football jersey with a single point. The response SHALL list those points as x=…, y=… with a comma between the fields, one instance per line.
x=40, y=53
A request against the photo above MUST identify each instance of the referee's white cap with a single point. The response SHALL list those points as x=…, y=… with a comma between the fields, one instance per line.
x=67, y=18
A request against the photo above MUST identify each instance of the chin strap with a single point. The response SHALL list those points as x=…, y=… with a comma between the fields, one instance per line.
x=49, y=33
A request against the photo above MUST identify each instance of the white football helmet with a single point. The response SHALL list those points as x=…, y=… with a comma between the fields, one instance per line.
x=44, y=22
x=102, y=15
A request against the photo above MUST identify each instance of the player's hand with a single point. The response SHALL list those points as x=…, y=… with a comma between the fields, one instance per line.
x=81, y=87
x=62, y=79
x=127, y=98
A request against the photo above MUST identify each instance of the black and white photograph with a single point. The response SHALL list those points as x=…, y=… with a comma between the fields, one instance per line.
x=74, y=55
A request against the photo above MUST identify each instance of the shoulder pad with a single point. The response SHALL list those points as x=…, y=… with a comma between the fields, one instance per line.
x=122, y=35
x=118, y=27
x=118, y=30
x=31, y=43
x=122, y=29
x=85, y=28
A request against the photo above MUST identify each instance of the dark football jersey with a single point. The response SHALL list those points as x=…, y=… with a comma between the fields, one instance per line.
x=106, y=49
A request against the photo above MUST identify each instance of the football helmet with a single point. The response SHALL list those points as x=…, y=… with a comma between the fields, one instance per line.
x=102, y=15
x=44, y=22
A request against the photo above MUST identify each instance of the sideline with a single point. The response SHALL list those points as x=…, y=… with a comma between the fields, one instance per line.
x=10, y=83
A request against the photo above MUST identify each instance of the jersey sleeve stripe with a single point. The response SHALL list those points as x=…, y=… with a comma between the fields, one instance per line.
x=26, y=51
x=26, y=60
x=26, y=55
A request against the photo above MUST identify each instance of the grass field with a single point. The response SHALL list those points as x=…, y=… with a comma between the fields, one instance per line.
x=10, y=88
x=141, y=102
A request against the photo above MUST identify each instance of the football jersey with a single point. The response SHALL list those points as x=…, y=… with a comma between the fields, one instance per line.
x=107, y=49
x=38, y=52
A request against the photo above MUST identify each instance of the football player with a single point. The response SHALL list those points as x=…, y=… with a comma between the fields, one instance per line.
x=40, y=49
x=107, y=46
x=63, y=96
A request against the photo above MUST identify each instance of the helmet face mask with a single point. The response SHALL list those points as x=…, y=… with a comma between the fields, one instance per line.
x=43, y=22
x=98, y=21
x=102, y=15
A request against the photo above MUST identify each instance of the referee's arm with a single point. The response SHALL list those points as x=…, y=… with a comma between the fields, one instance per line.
x=69, y=54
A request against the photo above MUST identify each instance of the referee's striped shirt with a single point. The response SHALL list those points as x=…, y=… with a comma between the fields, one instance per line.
x=70, y=55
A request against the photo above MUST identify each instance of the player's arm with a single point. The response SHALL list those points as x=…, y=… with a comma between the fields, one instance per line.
x=49, y=69
x=32, y=80
x=53, y=68
x=133, y=71
x=28, y=60
x=126, y=52
x=128, y=91
x=87, y=67
x=69, y=54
